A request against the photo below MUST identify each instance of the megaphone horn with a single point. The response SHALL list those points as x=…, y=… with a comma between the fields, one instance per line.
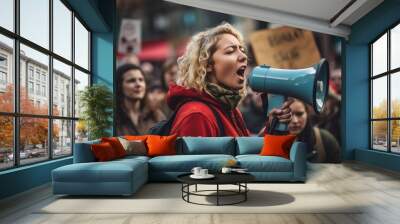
x=307, y=84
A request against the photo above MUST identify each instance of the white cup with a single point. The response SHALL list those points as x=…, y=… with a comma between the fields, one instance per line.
x=196, y=171
x=226, y=170
x=203, y=172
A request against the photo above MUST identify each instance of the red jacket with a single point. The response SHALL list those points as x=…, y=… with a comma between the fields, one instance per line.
x=197, y=119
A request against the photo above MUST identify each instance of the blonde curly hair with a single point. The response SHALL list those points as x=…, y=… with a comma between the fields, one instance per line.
x=192, y=65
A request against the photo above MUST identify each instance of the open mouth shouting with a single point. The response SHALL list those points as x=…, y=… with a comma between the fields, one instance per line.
x=240, y=72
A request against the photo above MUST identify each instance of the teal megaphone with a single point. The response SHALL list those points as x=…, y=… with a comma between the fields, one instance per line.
x=308, y=84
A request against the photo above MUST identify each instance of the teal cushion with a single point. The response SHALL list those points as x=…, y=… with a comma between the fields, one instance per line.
x=206, y=145
x=249, y=145
x=185, y=163
x=257, y=163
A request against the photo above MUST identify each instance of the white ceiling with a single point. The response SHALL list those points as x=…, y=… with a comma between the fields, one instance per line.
x=323, y=16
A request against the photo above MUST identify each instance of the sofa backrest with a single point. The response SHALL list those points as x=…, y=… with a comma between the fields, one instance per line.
x=206, y=145
x=249, y=145
x=83, y=152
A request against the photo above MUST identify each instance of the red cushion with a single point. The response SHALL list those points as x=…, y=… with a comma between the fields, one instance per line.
x=103, y=152
x=116, y=145
x=277, y=145
x=161, y=145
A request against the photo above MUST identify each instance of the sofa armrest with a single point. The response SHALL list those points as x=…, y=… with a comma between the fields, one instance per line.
x=298, y=153
x=83, y=152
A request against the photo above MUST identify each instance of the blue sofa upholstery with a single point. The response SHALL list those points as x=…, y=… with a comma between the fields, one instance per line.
x=167, y=168
x=125, y=176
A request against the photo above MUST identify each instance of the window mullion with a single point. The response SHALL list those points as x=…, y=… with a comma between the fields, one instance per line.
x=16, y=84
x=73, y=83
x=50, y=81
x=389, y=106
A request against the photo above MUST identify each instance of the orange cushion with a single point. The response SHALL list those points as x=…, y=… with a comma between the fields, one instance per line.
x=161, y=145
x=277, y=145
x=135, y=137
x=116, y=145
x=103, y=151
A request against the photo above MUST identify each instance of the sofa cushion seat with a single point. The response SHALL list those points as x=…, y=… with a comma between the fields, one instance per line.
x=184, y=163
x=257, y=163
x=112, y=171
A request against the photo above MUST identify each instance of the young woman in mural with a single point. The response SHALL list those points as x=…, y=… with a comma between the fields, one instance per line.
x=323, y=146
x=210, y=85
x=134, y=114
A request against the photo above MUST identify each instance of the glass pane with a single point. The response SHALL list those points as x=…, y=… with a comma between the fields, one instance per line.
x=395, y=136
x=379, y=135
x=62, y=89
x=33, y=139
x=62, y=141
x=81, y=45
x=395, y=94
x=379, y=98
x=62, y=29
x=34, y=68
x=379, y=55
x=6, y=74
x=35, y=21
x=395, y=47
x=6, y=142
x=7, y=14
x=81, y=81
x=81, y=131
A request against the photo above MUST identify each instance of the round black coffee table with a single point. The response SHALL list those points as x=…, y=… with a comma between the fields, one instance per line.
x=238, y=179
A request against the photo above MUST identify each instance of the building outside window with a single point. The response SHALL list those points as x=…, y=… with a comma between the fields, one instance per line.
x=385, y=94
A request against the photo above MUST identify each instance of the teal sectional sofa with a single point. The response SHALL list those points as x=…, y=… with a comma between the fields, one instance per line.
x=125, y=176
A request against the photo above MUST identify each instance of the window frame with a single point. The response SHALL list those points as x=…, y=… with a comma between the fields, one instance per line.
x=16, y=114
x=388, y=74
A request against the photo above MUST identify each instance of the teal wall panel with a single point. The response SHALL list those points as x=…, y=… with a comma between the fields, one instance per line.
x=356, y=99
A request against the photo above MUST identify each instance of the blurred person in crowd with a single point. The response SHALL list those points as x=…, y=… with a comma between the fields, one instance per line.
x=322, y=146
x=156, y=96
x=148, y=69
x=134, y=115
x=253, y=113
x=329, y=119
x=168, y=76
x=210, y=85
x=169, y=73
x=335, y=83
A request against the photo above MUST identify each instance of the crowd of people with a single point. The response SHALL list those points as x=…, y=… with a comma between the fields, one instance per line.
x=206, y=85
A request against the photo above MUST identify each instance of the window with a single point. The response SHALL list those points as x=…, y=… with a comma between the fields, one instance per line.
x=30, y=87
x=81, y=45
x=7, y=14
x=385, y=94
x=30, y=72
x=38, y=89
x=7, y=91
x=47, y=74
x=44, y=91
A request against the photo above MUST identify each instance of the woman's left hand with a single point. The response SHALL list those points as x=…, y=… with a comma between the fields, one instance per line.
x=284, y=114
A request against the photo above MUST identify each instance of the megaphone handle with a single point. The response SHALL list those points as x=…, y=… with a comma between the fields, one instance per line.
x=276, y=127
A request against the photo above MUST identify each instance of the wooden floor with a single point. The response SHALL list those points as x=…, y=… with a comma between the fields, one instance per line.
x=377, y=188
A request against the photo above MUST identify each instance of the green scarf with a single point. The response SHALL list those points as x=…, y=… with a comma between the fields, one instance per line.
x=229, y=98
